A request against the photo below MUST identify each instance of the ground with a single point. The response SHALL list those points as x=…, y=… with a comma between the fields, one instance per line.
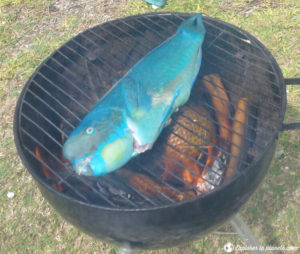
x=31, y=29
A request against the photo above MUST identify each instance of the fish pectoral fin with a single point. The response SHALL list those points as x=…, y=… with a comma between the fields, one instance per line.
x=136, y=97
x=169, y=110
x=146, y=129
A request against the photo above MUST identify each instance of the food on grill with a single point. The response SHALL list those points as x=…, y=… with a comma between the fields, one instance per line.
x=217, y=160
x=129, y=118
x=190, y=135
x=221, y=103
x=153, y=189
x=237, y=137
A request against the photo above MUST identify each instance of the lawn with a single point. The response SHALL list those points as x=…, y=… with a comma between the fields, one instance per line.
x=31, y=29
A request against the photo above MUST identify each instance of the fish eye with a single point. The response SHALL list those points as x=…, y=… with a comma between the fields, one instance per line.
x=89, y=131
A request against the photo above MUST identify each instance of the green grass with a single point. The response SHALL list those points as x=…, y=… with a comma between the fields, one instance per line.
x=31, y=29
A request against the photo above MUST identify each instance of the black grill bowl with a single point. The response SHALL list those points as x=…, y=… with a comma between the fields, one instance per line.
x=67, y=85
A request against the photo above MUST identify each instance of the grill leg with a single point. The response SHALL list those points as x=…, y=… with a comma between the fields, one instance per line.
x=246, y=234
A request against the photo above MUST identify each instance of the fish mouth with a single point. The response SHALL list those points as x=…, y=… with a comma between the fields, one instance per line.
x=82, y=166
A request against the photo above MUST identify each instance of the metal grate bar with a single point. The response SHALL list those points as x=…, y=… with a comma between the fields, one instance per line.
x=70, y=72
x=69, y=47
x=69, y=82
x=158, y=191
x=44, y=117
x=100, y=194
x=83, y=57
x=107, y=41
x=150, y=28
x=87, y=50
x=237, y=66
x=188, y=168
x=237, y=86
x=112, y=183
x=231, y=104
x=227, y=43
x=150, y=40
x=96, y=37
x=271, y=127
x=223, y=32
x=212, y=156
x=51, y=108
x=97, y=46
x=161, y=181
x=117, y=59
x=120, y=39
x=80, y=195
x=152, y=202
x=58, y=102
x=209, y=143
x=215, y=122
x=46, y=165
x=158, y=26
x=65, y=178
x=150, y=172
x=179, y=179
x=135, y=29
x=253, y=44
x=63, y=92
x=244, y=61
x=41, y=129
x=231, y=118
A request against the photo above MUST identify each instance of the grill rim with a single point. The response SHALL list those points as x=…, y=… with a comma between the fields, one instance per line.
x=20, y=103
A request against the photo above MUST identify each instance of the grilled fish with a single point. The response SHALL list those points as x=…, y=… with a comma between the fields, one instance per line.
x=130, y=117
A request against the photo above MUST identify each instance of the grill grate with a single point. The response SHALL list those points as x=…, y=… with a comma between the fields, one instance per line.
x=67, y=85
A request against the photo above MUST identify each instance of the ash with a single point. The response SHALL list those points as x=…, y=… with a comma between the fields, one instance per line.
x=213, y=175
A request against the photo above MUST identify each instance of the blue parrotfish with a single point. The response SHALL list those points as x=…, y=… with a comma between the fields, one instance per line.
x=128, y=119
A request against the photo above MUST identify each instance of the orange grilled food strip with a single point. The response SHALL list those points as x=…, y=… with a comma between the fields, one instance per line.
x=238, y=132
x=220, y=101
x=151, y=188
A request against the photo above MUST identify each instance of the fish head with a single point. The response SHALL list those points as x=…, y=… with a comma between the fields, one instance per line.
x=100, y=144
x=193, y=27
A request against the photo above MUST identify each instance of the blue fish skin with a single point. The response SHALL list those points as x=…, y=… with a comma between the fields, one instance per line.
x=159, y=3
x=130, y=117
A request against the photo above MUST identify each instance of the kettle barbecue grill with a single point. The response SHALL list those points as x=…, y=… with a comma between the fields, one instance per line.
x=69, y=82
